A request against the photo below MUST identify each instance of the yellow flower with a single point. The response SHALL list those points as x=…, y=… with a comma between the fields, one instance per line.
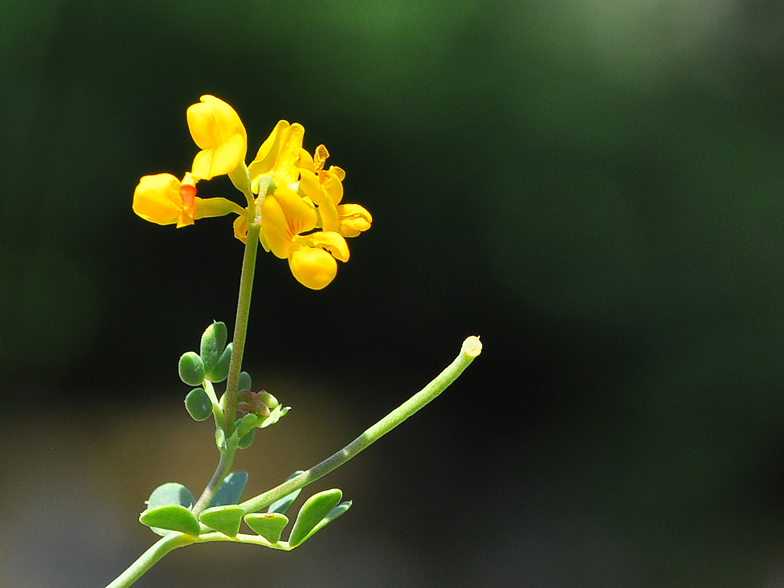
x=289, y=193
x=353, y=219
x=285, y=216
x=278, y=155
x=218, y=131
x=325, y=188
x=164, y=200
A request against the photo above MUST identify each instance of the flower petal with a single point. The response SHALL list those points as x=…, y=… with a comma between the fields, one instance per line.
x=212, y=122
x=354, y=219
x=218, y=131
x=314, y=268
x=285, y=214
x=219, y=160
x=157, y=199
x=332, y=242
x=279, y=153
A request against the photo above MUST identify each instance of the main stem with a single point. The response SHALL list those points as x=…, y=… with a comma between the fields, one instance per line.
x=238, y=350
x=241, y=325
x=150, y=557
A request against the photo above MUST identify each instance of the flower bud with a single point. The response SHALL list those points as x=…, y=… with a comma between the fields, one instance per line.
x=268, y=399
x=191, y=369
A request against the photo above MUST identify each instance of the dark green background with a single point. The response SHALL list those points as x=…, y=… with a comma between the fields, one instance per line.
x=594, y=188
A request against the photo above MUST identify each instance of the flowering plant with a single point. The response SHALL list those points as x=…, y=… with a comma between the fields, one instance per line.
x=295, y=210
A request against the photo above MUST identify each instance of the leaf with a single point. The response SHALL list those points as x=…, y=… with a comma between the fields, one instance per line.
x=333, y=514
x=231, y=490
x=168, y=494
x=247, y=439
x=198, y=404
x=191, y=369
x=213, y=342
x=172, y=517
x=269, y=525
x=282, y=505
x=224, y=519
x=221, y=370
x=244, y=382
x=171, y=493
x=316, y=508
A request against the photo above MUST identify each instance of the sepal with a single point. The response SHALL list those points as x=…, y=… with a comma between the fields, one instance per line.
x=275, y=415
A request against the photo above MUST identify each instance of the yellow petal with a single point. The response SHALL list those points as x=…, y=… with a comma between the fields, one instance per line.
x=332, y=183
x=157, y=199
x=219, y=160
x=212, y=122
x=305, y=161
x=285, y=214
x=354, y=219
x=241, y=228
x=320, y=157
x=314, y=268
x=278, y=155
x=218, y=131
x=332, y=242
x=268, y=152
x=310, y=185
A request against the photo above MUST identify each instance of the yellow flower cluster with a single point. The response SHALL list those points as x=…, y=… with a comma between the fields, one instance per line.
x=297, y=202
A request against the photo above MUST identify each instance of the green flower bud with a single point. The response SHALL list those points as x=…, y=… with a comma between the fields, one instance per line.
x=191, y=369
x=213, y=342
x=268, y=399
x=198, y=404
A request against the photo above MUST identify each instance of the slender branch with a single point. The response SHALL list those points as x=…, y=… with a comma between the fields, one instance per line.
x=471, y=348
x=150, y=557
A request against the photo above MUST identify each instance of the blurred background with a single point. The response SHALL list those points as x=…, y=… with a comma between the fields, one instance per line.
x=595, y=188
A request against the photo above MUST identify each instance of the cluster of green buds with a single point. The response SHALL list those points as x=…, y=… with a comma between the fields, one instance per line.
x=211, y=366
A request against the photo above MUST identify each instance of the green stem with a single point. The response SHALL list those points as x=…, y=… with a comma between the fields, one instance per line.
x=241, y=326
x=224, y=466
x=471, y=348
x=150, y=557
x=243, y=306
